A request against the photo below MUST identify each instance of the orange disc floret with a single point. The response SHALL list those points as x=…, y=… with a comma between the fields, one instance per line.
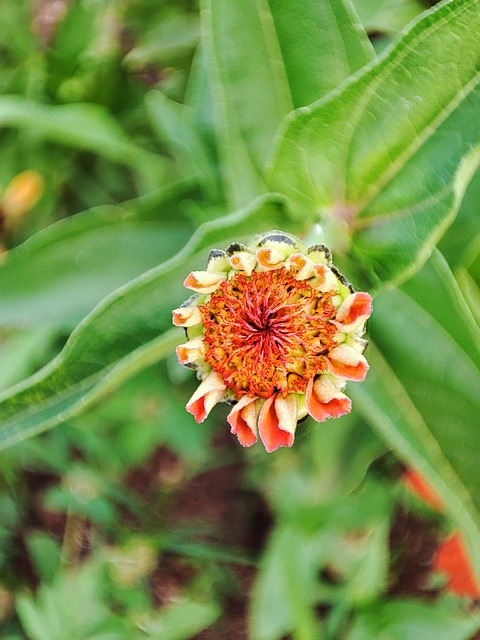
x=274, y=329
x=267, y=333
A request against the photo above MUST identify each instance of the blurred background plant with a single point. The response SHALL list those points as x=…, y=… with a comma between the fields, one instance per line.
x=126, y=126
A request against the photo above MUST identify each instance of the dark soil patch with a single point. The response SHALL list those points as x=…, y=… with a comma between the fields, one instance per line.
x=412, y=543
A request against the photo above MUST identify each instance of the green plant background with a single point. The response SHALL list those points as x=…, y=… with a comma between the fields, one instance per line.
x=161, y=130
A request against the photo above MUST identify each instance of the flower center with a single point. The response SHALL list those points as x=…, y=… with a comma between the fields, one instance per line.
x=267, y=333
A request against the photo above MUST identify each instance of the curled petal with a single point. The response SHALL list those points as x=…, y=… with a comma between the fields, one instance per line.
x=243, y=261
x=325, y=279
x=203, y=281
x=304, y=266
x=186, y=316
x=346, y=362
x=243, y=420
x=270, y=258
x=209, y=393
x=190, y=351
x=324, y=400
x=277, y=422
x=354, y=310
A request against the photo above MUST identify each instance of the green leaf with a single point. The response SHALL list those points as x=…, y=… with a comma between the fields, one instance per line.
x=126, y=333
x=22, y=353
x=368, y=579
x=285, y=590
x=315, y=37
x=410, y=620
x=57, y=276
x=388, y=158
x=168, y=39
x=463, y=237
x=176, y=126
x=250, y=89
x=422, y=391
x=471, y=293
x=82, y=126
x=329, y=461
x=181, y=620
x=436, y=290
x=69, y=608
x=389, y=16
x=44, y=552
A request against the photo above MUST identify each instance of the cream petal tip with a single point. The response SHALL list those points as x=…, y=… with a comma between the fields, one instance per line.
x=203, y=281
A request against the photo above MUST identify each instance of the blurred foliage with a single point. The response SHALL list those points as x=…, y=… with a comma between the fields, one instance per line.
x=134, y=136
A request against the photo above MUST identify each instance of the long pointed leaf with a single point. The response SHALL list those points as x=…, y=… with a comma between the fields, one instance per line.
x=322, y=44
x=391, y=155
x=250, y=89
x=124, y=334
x=423, y=390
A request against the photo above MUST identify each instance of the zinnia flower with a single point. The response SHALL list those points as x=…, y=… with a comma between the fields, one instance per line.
x=276, y=330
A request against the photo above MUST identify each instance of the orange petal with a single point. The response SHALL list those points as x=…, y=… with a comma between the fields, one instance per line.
x=354, y=310
x=203, y=281
x=420, y=487
x=451, y=559
x=243, y=420
x=186, y=316
x=209, y=393
x=346, y=362
x=324, y=400
x=277, y=422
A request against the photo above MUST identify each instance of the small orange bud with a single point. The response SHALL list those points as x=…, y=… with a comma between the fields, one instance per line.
x=21, y=195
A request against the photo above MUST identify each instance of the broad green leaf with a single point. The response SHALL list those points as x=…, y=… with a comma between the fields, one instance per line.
x=127, y=332
x=250, y=89
x=199, y=97
x=411, y=620
x=21, y=354
x=175, y=125
x=83, y=126
x=437, y=291
x=328, y=462
x=57, y=276
x=284, y=594
x=14, y=18
x=463, y=236
x=378, y=16
x=44, y=553
x=169, y=38
x=388, y=158
x=322, y=44
x=369, y=576
x=422, y=393
x=71, y=607
x=181, y=620
x=471, y=292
